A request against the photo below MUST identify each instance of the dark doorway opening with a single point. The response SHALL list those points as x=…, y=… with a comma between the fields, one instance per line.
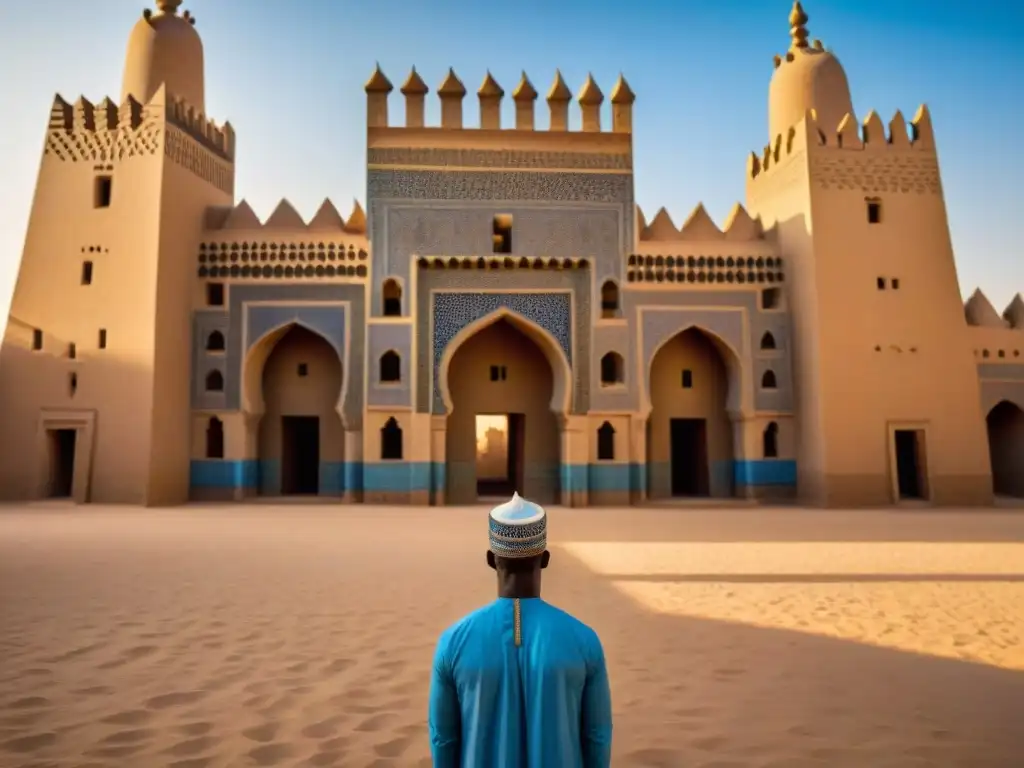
x=497, y=475
x=62, y=463
x=300, y=455
x=909, y=464
x=689, y=453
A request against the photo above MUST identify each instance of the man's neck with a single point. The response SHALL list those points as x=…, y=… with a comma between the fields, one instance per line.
x=523, y=589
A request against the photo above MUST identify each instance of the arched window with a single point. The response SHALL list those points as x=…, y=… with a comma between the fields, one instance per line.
x=392, y=295
x=768, y=380
x=215, y=342
x=390, y=367
x=606, y=442
x=609, y=299
x=612, y=369
x=767, y=341
x=391, y=440
x=770, y=441
x=214, y=381
x=215, y=438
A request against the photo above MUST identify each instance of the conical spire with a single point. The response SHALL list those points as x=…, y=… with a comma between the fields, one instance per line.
x=414, y=85
x=490, y=88
x=452, y=86
x=798, y=25
x=378, y=82
x=559, y=90
x=622, y=93
x=525, y=90
x=590, y=94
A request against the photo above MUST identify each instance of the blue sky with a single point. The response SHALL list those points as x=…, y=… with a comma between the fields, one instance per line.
x=289, y=76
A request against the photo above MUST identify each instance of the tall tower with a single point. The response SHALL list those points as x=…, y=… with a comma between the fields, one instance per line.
x=94, y=366
x=887, y=388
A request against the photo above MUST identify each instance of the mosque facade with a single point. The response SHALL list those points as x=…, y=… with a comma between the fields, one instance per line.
x=500, y=316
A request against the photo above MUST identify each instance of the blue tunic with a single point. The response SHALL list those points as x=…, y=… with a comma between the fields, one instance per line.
x=543, y=704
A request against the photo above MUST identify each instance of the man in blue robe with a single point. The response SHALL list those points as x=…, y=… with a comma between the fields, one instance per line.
x=519, y=683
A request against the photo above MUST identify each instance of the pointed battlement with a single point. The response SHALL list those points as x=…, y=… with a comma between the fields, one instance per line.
x=979, y=312
x=286, y=219
x=113, y=131
x=699, y=227
x=870, y=135
x=452, y=92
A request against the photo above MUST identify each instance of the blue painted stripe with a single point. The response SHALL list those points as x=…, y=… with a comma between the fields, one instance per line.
x=224, y=473
x=753, y=472
x=401, y=476
x=611, y=477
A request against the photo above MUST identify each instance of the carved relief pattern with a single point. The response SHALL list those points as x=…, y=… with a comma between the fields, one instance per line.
x=574, y=283
x=876, y=172
x=291, y=260
x=103, y=146
x=507, y=185
x=192, y=156
x=502, y=159
x=454, y=311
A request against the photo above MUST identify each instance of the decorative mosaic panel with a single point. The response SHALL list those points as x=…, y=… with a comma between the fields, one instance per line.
x=504, y=159
x=382, y=185
x=876, y=172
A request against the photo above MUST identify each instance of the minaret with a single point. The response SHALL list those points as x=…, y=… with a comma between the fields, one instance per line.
x=558, y=103
x=164, y=49
x=622, y=106
x=415, y=92
x=377, y=88
x=525, y=97
x=490, y=95
x=451, y=93
x=590, y=99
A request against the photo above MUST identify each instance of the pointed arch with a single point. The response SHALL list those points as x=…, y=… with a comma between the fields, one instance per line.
x=561, y=397
x=768, y=341
x=214, y=438
x=391, y=440
x=613, y=369
x=769, y=380
x=214, y=381
x=1005, y=424
x=609, y=299
x=391, y=298
x=215, y=342
x=606, y=442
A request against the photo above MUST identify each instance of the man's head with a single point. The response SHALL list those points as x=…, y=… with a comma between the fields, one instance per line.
x=518, y=533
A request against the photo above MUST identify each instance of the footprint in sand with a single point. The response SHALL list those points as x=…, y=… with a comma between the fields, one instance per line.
x=271, y=754
x=176, y=699
x=31, y=743
x=262, y=733
x=128, y=717
x=393, y=747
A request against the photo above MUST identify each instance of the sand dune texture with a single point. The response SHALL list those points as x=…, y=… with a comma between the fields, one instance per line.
x=226, y=637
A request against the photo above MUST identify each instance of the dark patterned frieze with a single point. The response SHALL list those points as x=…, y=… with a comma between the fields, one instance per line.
x=394, y=185
x=499, y=159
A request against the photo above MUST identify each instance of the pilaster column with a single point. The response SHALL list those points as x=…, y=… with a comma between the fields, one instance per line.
x=438, y=464
x=638, y=458
x=353, y=470
x=575, y=457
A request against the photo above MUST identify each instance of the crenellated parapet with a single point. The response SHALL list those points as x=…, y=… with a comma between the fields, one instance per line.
x=451, y=94
x=979, y=313
x=868, y=156
x=699, y=227
x=106, y=133
x=995, y=338
x=286, y=220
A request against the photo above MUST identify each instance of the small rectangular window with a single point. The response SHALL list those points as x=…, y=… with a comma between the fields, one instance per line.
x=880, y=282
x=103, y=338
x=37, y=339
x=215, y=294
x=103, y=191
x=874, y=212
x=687, y=379
x=771, y=298
x=895, y=283
x=495, y=373
x=303, y=369
x=86, y=273
x=72, y=351
x=502, y=233
x=504, y=373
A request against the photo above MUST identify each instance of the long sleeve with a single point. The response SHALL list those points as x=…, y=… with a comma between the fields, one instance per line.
x=596, y=730
x=444, y=717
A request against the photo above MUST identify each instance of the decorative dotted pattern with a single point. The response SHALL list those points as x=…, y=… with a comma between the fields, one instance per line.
x=502, y=159
x=506, y=185
x=102, y=145
x=199, y=160
x=454, y=311
x=704, y=269
x=875, y=172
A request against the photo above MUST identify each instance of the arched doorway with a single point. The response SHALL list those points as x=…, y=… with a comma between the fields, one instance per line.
x=301, y=438
x=689, y=432
x=502, y=432
x=1006, y=447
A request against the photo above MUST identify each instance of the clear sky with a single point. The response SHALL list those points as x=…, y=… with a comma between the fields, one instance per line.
x=289, y=76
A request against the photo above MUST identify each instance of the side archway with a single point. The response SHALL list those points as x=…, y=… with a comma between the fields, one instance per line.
x=293, y=390
x=1005, y=424
x=502, y=431
x=694, y=390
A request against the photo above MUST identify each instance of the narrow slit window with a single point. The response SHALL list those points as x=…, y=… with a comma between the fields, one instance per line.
x=687, y=379
x=215, y=294
x=72, y=351
x=37, y=339
x=103, y=191
x=880, y=282
x=86, y=273
x=102, y=341
x=303, y=369
x=895, y=283
x=874, y=211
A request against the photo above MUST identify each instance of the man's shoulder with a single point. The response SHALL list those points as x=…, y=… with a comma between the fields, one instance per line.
x=467, y=621
x=571, y=624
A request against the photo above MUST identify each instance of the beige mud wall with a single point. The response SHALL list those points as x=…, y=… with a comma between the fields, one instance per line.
x=285, y=393
x=527, y=390
x=690, y=350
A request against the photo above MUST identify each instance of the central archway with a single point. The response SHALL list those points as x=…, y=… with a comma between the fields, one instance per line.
x=504, y=397
x=1006, y=447
x=689, y=430
x=301, y=439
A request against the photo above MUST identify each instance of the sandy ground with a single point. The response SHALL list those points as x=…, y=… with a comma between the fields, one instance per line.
x=302, y=635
